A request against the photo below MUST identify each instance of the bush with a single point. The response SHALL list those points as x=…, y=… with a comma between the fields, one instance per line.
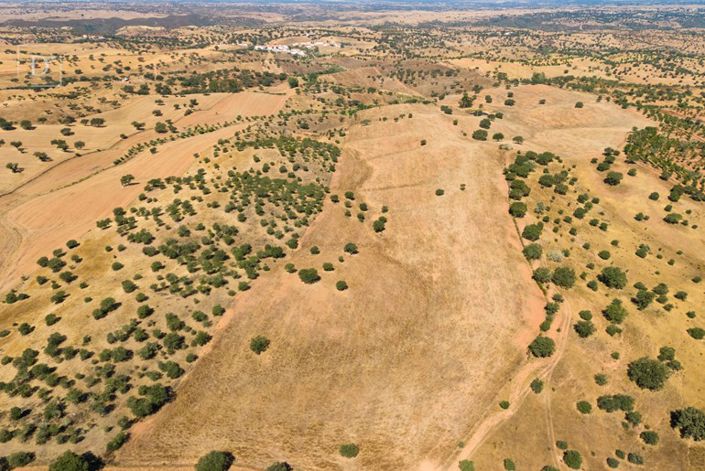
x=518, y=209
x=259, y=344
x=21, y=458
x=117, y=442
x=69, y=462
x=537, y=386
x=696, y=332
x=613, y=277
x=584, y=407
x=615, y=312
x=479, y=135
x=532, y=232
x=280, y=466
x=542, y=275
x=542, y=347
x=309, y=275
x=466, y=465
x=341, y=285
x=690, y=422
x=215, y=461
x=349, y=450
x=613, y=178
x=563, y=277
x=615, y=402
x=584, y=329
x=648, y=374
x=649, y=437
x=532, y=252
x=572, y=459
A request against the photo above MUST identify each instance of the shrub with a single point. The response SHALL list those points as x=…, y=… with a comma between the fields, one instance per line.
x=564, y=277
x=117, y=442
x=542, y=275
x=584, y=407
x=613, y=178
x=615, y=402
x=542, y=347
x=532, y=252
x=518, y=209
x=259, y=344
x=309, y=275
x=69, y=462
x=280, y=466
x=479, y=135
x=613, y=277
x=649, y=437
x=20, y=458
x=349, y=450
x=648, y=374
x=341, y=285
x=350, y=248
x=537, y=386
x=572, y=459
x=615, y=312
x=532, y=232
x=584, y=329
x=690, y=422
x=215, y=461
x=696, y=332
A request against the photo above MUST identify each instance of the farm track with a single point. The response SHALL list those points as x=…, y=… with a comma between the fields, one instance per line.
x=519, y=391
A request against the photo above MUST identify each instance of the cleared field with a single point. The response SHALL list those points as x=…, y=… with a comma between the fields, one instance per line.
x=425, y=298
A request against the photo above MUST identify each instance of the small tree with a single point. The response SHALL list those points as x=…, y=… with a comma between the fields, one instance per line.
x=613, y=178
x=563, y=277
x=349, y=450
x=690, y=422
x=280, y=466
x=542, y=347
x=309, y=275
x=613, y=277
x=259, y=344
x=69, y=461
x=127, y=180
x=479, y=135
x=572, y=459
x=648, y=374
x=215, y=461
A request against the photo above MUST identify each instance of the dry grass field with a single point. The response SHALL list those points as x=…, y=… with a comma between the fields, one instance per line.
x=344, y=238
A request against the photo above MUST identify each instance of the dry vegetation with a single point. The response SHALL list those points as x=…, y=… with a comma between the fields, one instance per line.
x=305, y=237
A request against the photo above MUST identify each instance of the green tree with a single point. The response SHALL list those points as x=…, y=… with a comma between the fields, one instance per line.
x=532, y=251
x=648, y=373
x=69, y=461
x=215, y=461
x=613, y=178
x=542, y=347
x=690, y=422
x=349, y=450
x=613, y=277
x=572, y=459
x=518, y=209
x=259, y=344
x=309, y=275
x=563, y=277
x=280, y=466
x=479, y=135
